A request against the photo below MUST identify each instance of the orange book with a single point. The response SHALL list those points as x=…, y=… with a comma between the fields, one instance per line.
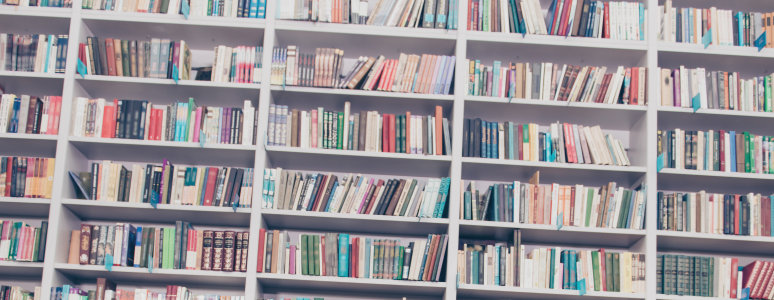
x=408, y=132
x=438, y=130
x=420, y=73
x=428, y=77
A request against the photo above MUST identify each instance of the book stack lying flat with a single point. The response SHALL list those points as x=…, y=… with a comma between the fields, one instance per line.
x=404, y=13
x=30, y=114
x=166, y=184
x=157, y=58
x=107, y=290
x=720, y=150
x=355, y=194
x=723, y=27
x=327, y=67
x=237, y=64
x=559, y=142
x=723, y=277
x=179, y=247
x=509, y=264
x=715, y=90
x=600, y=19
x=20, y=241
x=363, y=131
x=733, y=214
x=38, y=3
x=552, y=204
x=342, y=255
x=549, y=81
x=30, y=177
x=18, y=293
x=45, y=53
x=179, y=122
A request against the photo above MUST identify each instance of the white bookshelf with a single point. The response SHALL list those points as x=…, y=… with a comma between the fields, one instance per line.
x=635, y=125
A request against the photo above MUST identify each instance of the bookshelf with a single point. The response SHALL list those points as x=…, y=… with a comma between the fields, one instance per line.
x=636, y=124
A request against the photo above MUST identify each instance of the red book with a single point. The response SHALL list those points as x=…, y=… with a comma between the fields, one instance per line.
x=209, y=187
x=765, y=283
x=107, y=120
x=633, y=89
x=607, y=22
x=567, y=144
x=113, y=119
x=750, y=274
x=111, y=63
x=734, y=273
x=722, y=146
x=8, y=178
x=438, y=130
x=602, y=278
x=372, y=202
x=391, y=138
x=565, y=17
x=520, y=139
x=430, y=264
x=322, y=257
x=151, y=130
x=760, y=279
x=261, y=245
x=385, y=133
x=766, y=211
x=557, y=15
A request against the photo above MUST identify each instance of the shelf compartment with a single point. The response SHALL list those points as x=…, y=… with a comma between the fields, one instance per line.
x=31, y=83
x=714, y=181
x=714, y=243
x=279, y=282
x=35, y=20
x=359, y=161
x=43, y=145
x=715, y=119
x=126, y=275
x=36, y=11
x=374, y=224
x=376, y=100
x=189, y=153
x=551, y=235
x=144, y=212
x=312, y=28
x=21, y=269
x=676, y=297
x=24, y=207
x=554, y=40
x=587, y=174
x=713, y=51
x=175, y=19
x=474, y=291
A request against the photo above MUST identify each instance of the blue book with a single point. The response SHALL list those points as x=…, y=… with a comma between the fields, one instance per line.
x=630, y=213
x=495, y=203
x=138, y=245
x=13, y=127
x=510, y=138
x=496, y=78
x=496, y=144
x=262, y=9
x=642, y=21
x=740, y=28
x=771, y=197
x=474, y=266
x=497, y=269
x=550, y=16
x=732, y=158
x=253, y=11
x=330, y=199
x=484, y=148
x=343, y=255
x=573, y=267
x=367, y=260
x=443, y=192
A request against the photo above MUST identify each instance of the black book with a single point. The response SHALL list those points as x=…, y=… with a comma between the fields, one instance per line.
x=102, y=56
x=386, y=196
x=237, y=187
x=466, y=138
x=315, y=190
x=143, y=113
x=477, y=138
x=80, y=189
x=147, y=188
x=42, y=241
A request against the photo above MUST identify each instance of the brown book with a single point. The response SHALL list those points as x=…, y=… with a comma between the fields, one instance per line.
x=294, y=128
x=577, y=20
x=75, y=247
x=740, y=156
x=141, y=58
x=245, y=244
x=207, y=240
x=361, y=73
x=199, y=239
x=229, y=248
x=363, y=131
x=102, y=285
x=520, y=80
x=602, y=204
x=394, y=199
x=133, y=58
x=275, y=251
x=85, y=248
x=429, y=262
x=100, y=46
x=117, y=57
x=217, y=250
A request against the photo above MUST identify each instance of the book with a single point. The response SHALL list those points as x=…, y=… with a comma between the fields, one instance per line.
x=43, y=53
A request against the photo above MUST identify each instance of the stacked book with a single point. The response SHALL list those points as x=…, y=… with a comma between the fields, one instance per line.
x=715, y=90
x=363, y=131
x=44, y=53
x=509, y=264
x=179, y=247
x=240, y=64
x=179, y=122
x=549, y=81
x=38, y=3
x=108, y=290
x=30, y=114
x=723, y=27
x=355, y=194
x=722, y=277
x=157, y=58
x=553, y=204
x=342, y=255
x=712, y=150
x=255, y=9
x=166, y=184
x=733, y=214
x=20, y=241
x=18, y=293
x=559, y=142
x=403, y=13
x=327, y=67
x=29, y=177
x=587, y=18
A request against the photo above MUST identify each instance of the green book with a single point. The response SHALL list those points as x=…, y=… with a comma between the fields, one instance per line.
x=616, y=272
x=304, y=255
x=589, y=205
x=624, y=214
x=747, y=152
x=474, y=267
x=340, y=130
x=316, y=253
x=553, y=267
x=401, y=251
x=767, y=98
x=467, y=204
x=609, y=272
x=595, y=264
x=125, y=58
x=710, y=277
x=395, y=259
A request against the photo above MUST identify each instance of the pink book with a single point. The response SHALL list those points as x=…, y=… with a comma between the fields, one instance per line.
x=197, y=124
x=21, y=246
x=292, y=260
x=365, y=196
x=314, y=129
x=387, y=85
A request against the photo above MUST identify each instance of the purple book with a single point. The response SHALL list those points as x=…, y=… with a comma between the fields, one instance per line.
x=292, y=260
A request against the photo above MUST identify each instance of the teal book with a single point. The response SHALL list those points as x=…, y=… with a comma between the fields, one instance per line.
x=343, y=255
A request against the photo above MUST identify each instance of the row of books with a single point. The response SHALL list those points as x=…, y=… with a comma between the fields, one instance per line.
x=549, y=81
x=44, y=53
x=733, y=214
x=164, y=7
x=240, y=64
x=364, y=131
x=559, y=142
x=355, y=194
x=716, y=150
x=166, y=184
x=255, y=9
x=157, y=58
x=38, y=3
x=179, y=247
x=342, y=255
x=327, y=67
x=30, y=114
x=715, y=90
x=608, y=206
x=106, y=289
x=29, y=177
x=179, y=122
x=720, y=26
x=586, y=18
x=722, y=277
x=402, y=13
x=18, y=293
x=20, y=241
